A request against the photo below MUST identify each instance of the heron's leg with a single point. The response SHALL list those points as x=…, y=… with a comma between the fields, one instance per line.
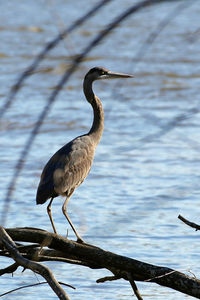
x=64, y=209
x=50, y=215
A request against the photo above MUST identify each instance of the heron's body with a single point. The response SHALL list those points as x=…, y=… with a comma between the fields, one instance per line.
x=66, y=169
x=70, y=165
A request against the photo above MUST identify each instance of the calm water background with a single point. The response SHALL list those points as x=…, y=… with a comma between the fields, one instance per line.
x=147, y=167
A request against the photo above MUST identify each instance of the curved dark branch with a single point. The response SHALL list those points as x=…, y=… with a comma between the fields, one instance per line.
x=191, y=224
x=31, y=285
x=10, y=269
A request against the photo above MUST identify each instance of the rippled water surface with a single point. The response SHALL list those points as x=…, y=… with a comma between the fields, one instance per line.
x=146, y=169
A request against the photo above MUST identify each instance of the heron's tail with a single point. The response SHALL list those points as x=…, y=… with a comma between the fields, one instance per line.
x=40, y=198
x=45, y=192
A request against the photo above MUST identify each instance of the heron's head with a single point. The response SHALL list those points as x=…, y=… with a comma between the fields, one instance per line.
x=103, y=73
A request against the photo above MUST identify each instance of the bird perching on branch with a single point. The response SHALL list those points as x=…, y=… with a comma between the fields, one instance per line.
x=70, y=165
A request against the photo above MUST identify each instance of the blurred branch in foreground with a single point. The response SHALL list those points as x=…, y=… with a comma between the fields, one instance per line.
x=20, y=163
x=29, y=71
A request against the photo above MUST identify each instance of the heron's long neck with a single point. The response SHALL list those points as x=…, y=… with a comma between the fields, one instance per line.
x=98, y=120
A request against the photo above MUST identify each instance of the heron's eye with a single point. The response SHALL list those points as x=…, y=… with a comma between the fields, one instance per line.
x=102, y=73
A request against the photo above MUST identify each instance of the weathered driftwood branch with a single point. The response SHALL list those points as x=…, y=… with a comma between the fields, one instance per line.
x=8, y=243
x=58, y=248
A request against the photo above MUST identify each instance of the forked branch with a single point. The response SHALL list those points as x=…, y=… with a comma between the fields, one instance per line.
x=8, y=243
x=58, y=248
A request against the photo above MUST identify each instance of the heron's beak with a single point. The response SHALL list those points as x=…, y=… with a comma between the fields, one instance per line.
x=113, y=75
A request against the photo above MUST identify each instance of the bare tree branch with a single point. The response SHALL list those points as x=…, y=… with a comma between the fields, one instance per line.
x=8, y=243
x=10, y=269
x=91, y=256
x=191, y=224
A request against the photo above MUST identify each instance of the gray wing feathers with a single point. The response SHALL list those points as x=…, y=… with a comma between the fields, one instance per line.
x=66, y=169
x=74, y=166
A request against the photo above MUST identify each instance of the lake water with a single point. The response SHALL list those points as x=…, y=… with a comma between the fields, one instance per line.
x=147, y=167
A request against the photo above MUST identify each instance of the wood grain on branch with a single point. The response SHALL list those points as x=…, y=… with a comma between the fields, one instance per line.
x=62, y=249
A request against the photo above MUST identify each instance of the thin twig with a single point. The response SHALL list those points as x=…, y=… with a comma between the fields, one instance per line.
x=34, y=284
x=160, y=276
x=134, y=287
x=10, y=269
x=191, y=224
x=107, y=278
